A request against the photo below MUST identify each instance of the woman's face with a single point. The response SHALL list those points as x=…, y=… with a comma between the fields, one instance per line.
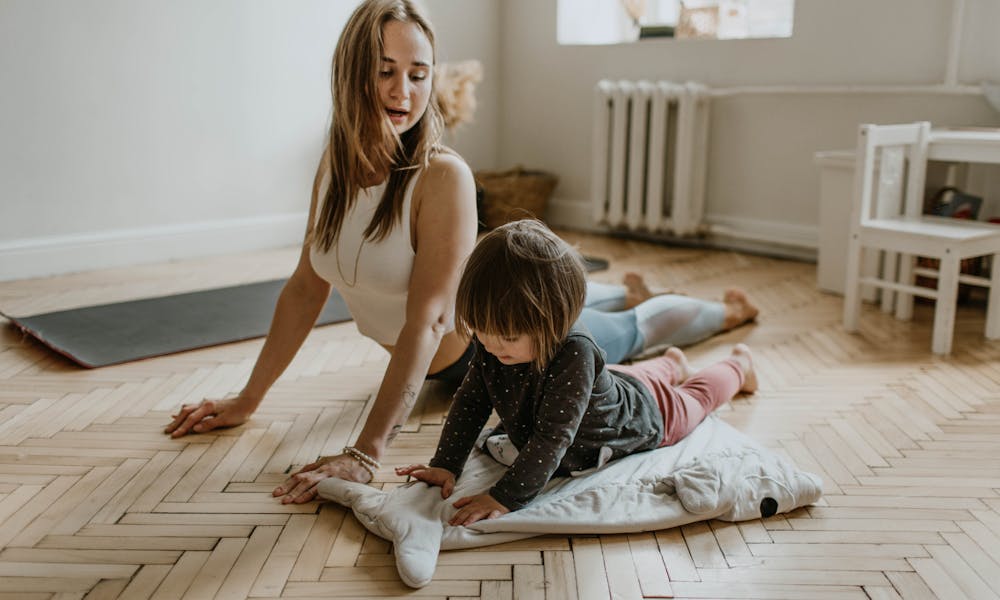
x=404, y=79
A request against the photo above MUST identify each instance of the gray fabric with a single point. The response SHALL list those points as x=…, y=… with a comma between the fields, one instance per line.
x=716, y=472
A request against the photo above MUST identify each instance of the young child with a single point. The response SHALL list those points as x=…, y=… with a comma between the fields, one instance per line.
x=563, y=408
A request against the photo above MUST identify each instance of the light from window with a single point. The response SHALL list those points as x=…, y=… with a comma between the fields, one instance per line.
x=622, y=21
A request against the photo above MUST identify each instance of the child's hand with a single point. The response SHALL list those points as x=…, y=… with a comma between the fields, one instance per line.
x=431, y=475
x=477, y=508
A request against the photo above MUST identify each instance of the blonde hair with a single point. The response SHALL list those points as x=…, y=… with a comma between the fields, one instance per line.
x=522, y=279
x=362, y=141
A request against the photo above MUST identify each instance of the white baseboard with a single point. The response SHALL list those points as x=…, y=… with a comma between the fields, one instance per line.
x=572, y=214
x=763, y=237
x=55, y=255
x=737, y=233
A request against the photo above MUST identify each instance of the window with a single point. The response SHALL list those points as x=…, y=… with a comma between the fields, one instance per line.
x=622, y=21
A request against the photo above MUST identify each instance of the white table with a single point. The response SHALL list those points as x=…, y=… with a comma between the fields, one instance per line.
x=974, y=145
x=971, y=145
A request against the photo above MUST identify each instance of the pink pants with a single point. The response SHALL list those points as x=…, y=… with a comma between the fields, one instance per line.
x=686, y=405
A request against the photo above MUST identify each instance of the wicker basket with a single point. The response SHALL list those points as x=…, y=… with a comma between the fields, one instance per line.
x=514, y=194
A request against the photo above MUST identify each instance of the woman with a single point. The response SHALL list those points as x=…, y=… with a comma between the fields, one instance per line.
x=392, y=219
x=393, y=215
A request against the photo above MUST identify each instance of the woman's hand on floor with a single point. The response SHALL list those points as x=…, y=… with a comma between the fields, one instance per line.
x=301, y=486
x=476, y=508
x=211, y=414
x=442, y=478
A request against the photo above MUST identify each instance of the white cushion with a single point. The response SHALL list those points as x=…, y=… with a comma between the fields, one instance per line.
x=714, y=473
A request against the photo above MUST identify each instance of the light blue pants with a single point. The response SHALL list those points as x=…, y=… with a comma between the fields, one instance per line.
x=662, y=320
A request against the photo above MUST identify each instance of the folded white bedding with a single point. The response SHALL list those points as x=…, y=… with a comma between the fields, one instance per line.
x=714, y=473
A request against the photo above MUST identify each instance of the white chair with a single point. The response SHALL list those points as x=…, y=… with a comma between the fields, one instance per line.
x=888, y=216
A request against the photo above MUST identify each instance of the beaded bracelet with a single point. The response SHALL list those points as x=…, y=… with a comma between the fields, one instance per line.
x=369, y=463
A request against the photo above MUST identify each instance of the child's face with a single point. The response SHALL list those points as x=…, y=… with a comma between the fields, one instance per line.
x=508, y=350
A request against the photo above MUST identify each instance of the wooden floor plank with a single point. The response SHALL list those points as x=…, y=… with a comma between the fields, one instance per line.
x=560, y=575
x=676, y=555
x=649, y=568
x=308, y=564
x=623, y=580
x=255, y=553
x=180, y=577
x=588, y=566
x=937, y=578
x=145, y=582
x=282, y=559
x=528, y=582
x=92, y=492
x=216, y=567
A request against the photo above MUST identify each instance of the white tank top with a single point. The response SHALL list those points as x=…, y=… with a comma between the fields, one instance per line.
x=372, y=277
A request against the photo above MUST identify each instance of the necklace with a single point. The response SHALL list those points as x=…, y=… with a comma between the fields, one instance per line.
x=357, y=258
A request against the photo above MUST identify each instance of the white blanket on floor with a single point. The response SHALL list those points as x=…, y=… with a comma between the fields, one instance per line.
x=714, y=473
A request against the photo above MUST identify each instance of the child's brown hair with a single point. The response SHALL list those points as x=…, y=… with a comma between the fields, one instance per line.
x=522, y=279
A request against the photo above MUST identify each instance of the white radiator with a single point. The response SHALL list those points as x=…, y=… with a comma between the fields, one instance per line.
x=650, y=145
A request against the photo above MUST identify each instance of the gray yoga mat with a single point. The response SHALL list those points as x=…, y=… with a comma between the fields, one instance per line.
x=109, y=334
x=97, y=336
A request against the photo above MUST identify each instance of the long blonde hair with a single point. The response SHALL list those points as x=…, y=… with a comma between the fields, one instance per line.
x=522, y=279
x=362, y=141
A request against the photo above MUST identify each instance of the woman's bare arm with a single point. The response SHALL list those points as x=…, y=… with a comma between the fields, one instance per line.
x=445, y=235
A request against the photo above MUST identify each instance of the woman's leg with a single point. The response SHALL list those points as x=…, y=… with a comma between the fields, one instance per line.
x=611, y=297
x=644, y=319
x=683, y=321
x=668, y=319
x=605, y=296
x=614, y=332
x=678, y=320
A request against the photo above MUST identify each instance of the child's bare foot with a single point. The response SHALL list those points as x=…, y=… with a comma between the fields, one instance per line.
x=681, y=365
x=741, y=353
x=739, y=310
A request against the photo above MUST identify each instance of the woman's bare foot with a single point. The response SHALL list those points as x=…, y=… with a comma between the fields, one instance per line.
x=741, y=354
x=681, y=365
x=739, y=310
x=636, y=290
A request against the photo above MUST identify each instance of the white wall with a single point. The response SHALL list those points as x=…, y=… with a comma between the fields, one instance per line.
x=134, y=131
x=467, y=29
x=761, y=177
x=138, y=131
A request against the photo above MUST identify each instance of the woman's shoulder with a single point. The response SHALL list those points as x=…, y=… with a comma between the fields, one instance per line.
x=446, y=164
x=447, y=179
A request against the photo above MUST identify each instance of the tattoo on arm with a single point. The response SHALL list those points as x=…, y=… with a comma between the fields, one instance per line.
x=409, y=396
x=409, y=400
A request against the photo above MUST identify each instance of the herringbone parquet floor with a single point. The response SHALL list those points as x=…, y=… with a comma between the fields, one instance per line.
x=96, y=503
